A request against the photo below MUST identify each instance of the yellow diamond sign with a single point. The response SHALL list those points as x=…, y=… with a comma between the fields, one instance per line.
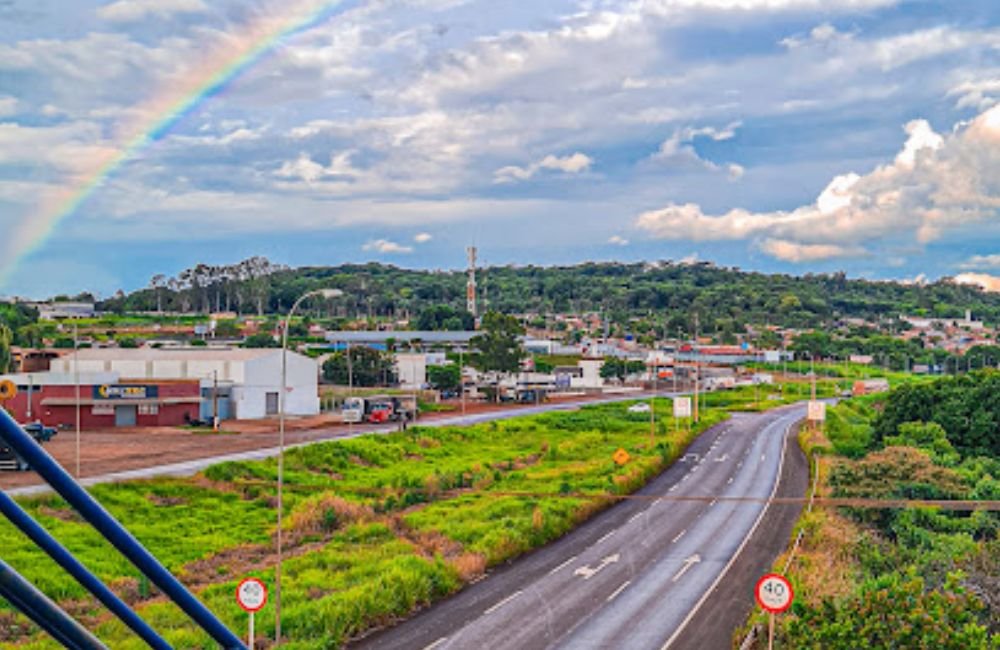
x=621, y=456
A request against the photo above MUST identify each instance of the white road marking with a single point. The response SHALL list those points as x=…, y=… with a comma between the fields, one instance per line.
x=606, y=537
x=503, y=602
x=730, y=480
x=618, y=590
x=672, y=488
x=762, y=458
x=713, y=503
x=588, y=573
x=688, y=563
x=436, y=643
x=679, y=535
x=563, y=565
x=636, y=516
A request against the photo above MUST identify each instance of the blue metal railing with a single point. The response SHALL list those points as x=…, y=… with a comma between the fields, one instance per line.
x=35, y=605
x=102, y=521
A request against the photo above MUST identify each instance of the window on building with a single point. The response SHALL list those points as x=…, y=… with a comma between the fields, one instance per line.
x=149, y=409
x=271, y=403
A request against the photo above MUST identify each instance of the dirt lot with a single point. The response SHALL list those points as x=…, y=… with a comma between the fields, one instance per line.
x=117, y=450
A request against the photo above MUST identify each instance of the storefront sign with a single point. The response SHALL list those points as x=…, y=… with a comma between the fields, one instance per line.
x=118, y=391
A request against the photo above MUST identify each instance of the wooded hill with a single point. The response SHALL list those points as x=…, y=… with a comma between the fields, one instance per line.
x=667, y=294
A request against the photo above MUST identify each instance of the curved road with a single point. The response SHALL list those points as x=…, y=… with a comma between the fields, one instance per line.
x=637, y=575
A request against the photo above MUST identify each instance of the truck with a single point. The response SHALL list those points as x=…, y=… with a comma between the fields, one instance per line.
x=11, y=461
x=379, y=409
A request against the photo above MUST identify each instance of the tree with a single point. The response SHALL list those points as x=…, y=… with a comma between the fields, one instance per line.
x=444, y=377
x=368, y=367
x=497, y=347
x=261, y=341
x=6, y=337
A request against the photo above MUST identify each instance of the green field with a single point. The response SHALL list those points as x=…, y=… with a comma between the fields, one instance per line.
x=376, y=526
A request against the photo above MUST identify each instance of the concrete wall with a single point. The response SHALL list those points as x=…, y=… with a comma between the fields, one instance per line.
x=263, y=376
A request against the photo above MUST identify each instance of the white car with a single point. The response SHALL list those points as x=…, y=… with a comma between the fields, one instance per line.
x=641, y=407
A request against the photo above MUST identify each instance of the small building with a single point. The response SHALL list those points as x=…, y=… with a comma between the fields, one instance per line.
x=104, y=401
x=869, y=386
x=64, y=310
x=250, y=377
x=411, y=369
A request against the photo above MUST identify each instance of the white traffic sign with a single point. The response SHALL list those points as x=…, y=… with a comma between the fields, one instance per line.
x=774, y=593
x=816, y=411
x=682, y=407
x=251, y=595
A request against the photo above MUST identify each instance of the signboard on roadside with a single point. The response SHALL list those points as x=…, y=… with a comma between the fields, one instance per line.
x=816, y=411
x=251, y=595
x=621, y=456
x=682, y=407
x=774, y=593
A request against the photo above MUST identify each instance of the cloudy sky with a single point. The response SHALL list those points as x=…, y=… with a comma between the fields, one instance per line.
x=141, y=136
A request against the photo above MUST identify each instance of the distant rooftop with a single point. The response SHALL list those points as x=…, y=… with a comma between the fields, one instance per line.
x=363, y=337
x=167, y=354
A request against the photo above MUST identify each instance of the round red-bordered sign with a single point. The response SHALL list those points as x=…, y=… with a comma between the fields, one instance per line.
x=251, y=595
x=774, y=593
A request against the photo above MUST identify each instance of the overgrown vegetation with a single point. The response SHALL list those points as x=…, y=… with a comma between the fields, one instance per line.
x=377, y=526
x=894, y=577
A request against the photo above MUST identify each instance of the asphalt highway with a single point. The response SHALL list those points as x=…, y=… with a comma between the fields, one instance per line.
x=635, y=576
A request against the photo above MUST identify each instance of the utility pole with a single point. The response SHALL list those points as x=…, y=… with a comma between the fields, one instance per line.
x=697, y=372
x=350, y=388
x=652, y=407
x=215, y=400
x=76, y=380
x=461, y=379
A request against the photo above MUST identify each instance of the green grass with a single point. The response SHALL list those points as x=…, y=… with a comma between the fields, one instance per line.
x=376, y=526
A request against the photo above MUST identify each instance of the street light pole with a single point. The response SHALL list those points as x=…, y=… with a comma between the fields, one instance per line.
x=76, y=381
x=326, y=293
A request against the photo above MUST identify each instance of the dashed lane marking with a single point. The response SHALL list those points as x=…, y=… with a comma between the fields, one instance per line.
x=618, y=590
x=503, y=602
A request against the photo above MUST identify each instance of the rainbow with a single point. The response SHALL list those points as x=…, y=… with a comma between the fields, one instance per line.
x=160, y=115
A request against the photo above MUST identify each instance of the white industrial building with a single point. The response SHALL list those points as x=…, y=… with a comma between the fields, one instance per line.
x=250, y=378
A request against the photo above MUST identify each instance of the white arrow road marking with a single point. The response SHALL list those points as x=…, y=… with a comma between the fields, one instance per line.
x=688, y=563
x=723, y=458
x=503, y=602
x=588, y=573
x=689, y=457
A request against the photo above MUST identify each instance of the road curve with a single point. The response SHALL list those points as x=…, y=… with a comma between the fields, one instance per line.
x=634, y=576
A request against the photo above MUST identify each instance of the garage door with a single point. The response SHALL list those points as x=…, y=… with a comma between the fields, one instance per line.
x=125, y=416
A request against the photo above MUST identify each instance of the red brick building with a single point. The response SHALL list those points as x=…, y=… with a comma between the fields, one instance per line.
x=104, y=405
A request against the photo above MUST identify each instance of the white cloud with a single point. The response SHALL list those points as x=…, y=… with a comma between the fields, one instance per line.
x=678, y=149
x=979, y=94
x=423, y=237
x=387, y=247
x=305, y=169
x=789, y=251
x=935, y=184
x=8, y=106
x=981, y=262
x=618, y=240
x=983, y=280
x=132, y=10
x=572, y=164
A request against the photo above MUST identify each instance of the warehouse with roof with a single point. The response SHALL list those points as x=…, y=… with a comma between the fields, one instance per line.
x=240, y=383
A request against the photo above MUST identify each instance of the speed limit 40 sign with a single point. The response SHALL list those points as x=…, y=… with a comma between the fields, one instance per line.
x=774, y=593
x=251, y=595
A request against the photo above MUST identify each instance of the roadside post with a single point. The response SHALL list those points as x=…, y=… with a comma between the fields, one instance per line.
x=774, y=595
x=251, y=596
x=682, y=409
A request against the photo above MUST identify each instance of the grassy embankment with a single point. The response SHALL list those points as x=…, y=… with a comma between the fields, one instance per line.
x=913, y=578
x=377, y=526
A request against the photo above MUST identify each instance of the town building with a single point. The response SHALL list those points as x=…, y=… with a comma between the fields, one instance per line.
x=239, y=383
x=104, y=400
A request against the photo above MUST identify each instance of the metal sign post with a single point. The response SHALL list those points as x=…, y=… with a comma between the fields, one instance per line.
x=251, y=596
x=774, y=594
